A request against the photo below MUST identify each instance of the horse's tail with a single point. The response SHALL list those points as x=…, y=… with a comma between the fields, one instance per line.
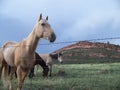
x=1, y=60
x=5, y=76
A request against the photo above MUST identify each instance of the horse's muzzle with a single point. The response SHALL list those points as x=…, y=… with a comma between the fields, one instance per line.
x=52, y=37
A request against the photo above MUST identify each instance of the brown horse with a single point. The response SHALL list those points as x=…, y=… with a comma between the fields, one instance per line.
x=41, y=62
x=21, y=56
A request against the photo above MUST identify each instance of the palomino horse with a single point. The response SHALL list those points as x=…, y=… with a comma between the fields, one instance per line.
x=49, y=59
x=21, y=56
x=38, y=61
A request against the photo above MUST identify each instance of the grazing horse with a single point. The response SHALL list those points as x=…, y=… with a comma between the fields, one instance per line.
x=49, y=59
x=41, y=62
x=21, y=56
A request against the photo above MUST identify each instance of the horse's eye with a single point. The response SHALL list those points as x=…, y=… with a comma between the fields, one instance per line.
x=43, y=24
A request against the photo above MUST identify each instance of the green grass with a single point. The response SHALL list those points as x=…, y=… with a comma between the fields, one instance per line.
x=76, y=77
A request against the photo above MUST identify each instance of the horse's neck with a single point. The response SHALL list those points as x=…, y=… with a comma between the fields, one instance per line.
x=32, y=41
x=40, y=61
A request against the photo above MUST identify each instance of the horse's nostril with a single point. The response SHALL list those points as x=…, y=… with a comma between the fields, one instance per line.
x=53, y=37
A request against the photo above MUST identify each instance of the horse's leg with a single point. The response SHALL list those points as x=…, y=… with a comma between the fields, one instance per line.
x=12, y=71
x=1, y=67
x=33, y=71
x=19, y=77
x=9, y=70
x=21, y=74
x=24, y=74
x=50, y=68
x=15, y=74
x=5, y=74
x=31, y=74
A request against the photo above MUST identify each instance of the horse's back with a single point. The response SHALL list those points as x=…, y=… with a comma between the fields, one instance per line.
x=10, y=43
x=39, y=60
x=46, y=58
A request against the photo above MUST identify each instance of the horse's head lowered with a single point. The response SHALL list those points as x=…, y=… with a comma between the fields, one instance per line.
x=44, y=30
x=57, y=56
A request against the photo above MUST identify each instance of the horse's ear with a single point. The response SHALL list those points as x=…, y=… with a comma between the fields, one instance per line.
x=47, y=18
x=40, y=17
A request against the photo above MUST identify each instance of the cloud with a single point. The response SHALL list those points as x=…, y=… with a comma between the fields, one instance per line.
x=71, y=20
x=95, y=15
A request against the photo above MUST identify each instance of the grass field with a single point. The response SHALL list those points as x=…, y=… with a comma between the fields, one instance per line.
x=76, y=77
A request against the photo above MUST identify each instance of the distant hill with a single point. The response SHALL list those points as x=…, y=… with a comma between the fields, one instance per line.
x=90, y=52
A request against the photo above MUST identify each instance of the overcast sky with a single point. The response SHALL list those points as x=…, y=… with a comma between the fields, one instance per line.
x=72, y=20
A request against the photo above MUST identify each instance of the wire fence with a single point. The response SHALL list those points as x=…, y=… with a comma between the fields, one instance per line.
x=89, y=40
x=67, y=42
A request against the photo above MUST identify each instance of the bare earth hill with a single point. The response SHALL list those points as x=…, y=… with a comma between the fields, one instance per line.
x=90, y=52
